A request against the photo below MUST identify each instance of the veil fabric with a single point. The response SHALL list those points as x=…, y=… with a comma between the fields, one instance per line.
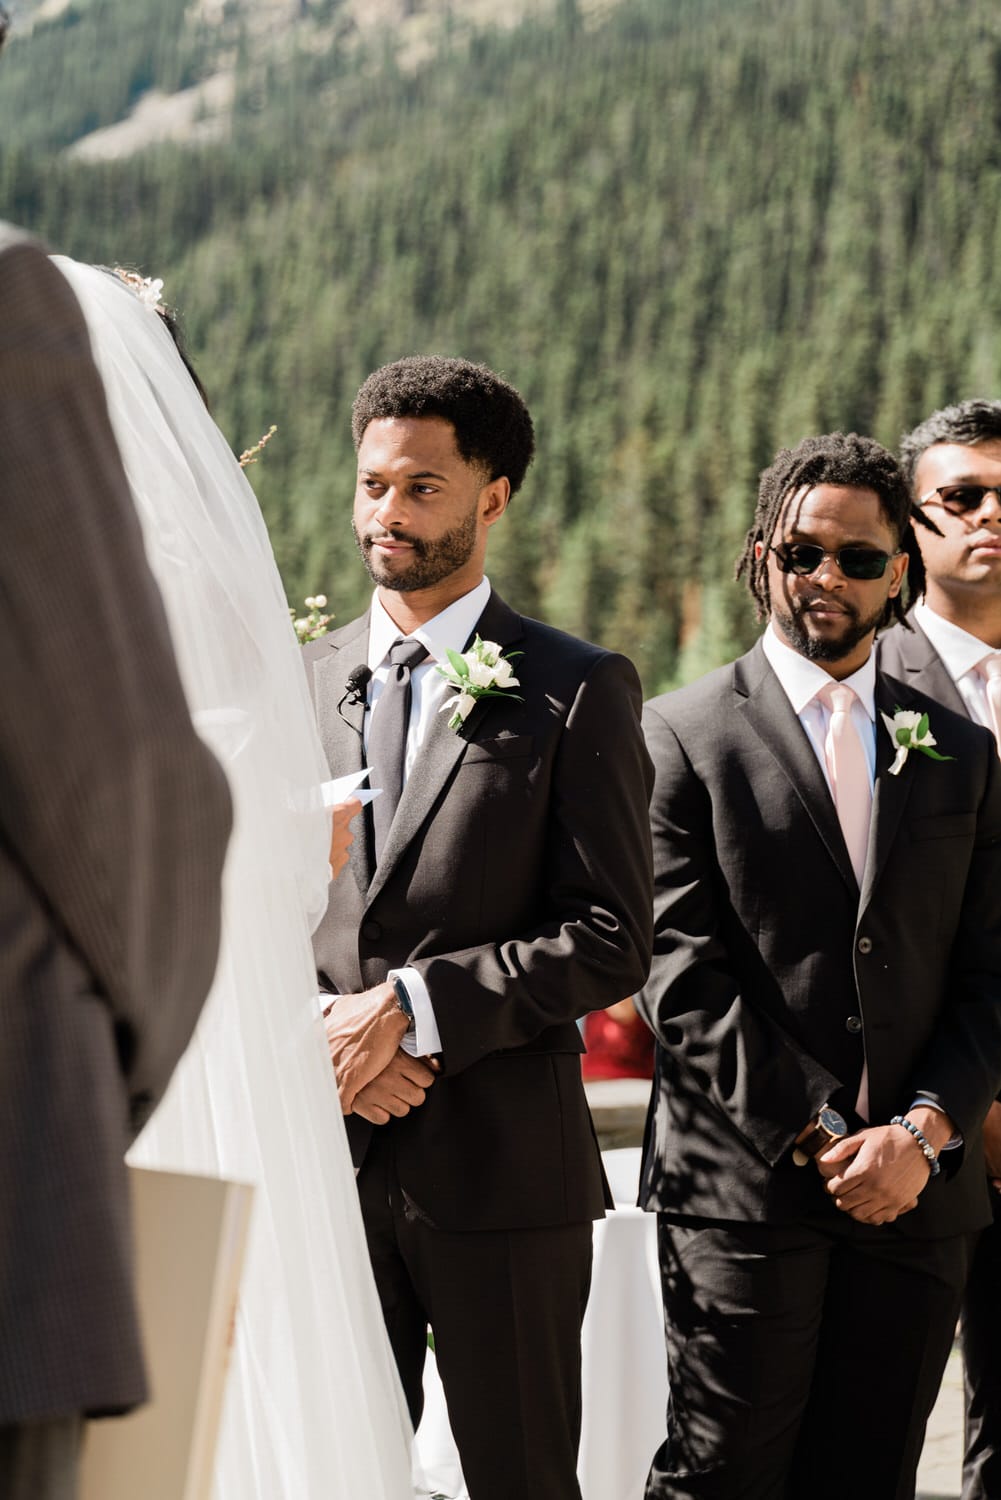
x=313, y=1407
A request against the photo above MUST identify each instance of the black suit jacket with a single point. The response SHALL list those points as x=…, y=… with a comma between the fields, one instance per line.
x=516, y=879
x=774, y=978
x=910, y=655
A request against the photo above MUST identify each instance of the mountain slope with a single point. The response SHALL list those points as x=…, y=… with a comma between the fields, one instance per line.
x=690, y=233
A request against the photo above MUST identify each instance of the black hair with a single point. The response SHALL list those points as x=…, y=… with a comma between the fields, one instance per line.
x=966, y=423
x=169, y=317
x=835, y=458
x=4, y=26
x=493, y=428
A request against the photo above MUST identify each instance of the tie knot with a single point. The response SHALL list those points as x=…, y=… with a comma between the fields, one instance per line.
x=409, y=653
x=991, y=665
x=838, y=697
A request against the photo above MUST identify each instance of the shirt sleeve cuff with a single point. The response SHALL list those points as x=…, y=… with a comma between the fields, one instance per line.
x=424, y=1040
x=953, y=1141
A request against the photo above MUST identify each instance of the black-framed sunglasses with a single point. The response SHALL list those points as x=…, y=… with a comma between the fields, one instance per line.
x=961, y=499
x=802, y=558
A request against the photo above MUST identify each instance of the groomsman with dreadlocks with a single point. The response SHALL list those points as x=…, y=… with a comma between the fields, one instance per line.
x=825, y=994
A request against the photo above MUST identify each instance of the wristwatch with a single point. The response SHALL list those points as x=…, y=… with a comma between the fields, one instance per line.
x=826, y=1127
x=404, y=1001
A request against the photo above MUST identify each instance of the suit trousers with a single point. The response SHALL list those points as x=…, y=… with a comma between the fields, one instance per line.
x=982, y=1366
x=803, y=1360
x=38, y=1460
x=506, y=1309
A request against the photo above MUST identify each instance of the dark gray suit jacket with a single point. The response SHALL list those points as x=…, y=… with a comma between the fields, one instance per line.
x=773, y=979
x=113, y=826
x=516, y=880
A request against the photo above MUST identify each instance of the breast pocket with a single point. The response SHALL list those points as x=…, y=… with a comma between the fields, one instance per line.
x=943, y=826
x=504, y=747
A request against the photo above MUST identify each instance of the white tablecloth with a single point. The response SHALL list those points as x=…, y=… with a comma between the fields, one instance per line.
x=624, y=1369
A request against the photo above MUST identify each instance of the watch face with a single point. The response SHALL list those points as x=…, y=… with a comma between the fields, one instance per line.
x=831, y=1122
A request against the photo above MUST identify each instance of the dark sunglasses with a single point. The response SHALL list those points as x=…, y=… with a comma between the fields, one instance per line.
x=961, y=499
x=802, y=558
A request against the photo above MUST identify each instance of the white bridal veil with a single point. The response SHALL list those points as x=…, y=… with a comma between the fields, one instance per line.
x=313, y=1408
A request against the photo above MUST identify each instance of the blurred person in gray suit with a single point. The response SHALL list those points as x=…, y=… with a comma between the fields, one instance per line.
x=114, y=821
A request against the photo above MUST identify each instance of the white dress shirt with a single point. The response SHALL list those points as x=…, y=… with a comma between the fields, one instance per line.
x=960, y=652
x=802, y=680
x=429, y=692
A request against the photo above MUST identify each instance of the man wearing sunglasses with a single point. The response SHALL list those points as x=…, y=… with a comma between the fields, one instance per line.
x=825, y=992
x=953, y=653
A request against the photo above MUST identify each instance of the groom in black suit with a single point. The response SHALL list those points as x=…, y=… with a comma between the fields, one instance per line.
x=502, y=889
x=826, y=993
x=953, y=650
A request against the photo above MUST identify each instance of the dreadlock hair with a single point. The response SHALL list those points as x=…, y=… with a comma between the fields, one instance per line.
x=836, y=458
x=966, y=423
x=492, y=425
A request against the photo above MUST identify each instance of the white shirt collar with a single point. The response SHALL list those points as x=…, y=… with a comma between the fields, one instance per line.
x=960, y=651
x=802, y=679
x=449, y=629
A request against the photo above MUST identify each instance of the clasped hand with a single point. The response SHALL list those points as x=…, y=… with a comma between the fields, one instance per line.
x=375, y=1077
x=875, y=1175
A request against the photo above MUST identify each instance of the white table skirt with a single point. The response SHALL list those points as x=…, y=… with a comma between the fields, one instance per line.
x=624, y=1368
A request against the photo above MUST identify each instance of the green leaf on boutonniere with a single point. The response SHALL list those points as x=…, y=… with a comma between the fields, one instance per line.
x=459, y=663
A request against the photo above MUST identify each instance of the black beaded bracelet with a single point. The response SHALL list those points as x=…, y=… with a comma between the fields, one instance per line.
x=927, y=1148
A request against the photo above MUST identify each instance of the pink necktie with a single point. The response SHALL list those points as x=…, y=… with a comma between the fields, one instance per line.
x=848, y=770
x=990, y=669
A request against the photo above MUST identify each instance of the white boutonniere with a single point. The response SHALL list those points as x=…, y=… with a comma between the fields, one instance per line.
x=909, y=731
x=480, y=672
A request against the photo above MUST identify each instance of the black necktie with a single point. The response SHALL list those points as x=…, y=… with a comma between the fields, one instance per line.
x=387, y=739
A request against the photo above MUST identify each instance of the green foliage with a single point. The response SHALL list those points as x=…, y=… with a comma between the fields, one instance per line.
x=689, y=236
x=88, y=65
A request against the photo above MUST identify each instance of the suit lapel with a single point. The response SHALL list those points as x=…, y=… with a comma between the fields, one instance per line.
x=766, y=707
x=442, y=751
x=925, y=670
x=340, y=714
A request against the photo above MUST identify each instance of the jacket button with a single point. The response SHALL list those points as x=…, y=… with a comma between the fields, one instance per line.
x=371, y=930
x=865, y=945
x=854, y=1025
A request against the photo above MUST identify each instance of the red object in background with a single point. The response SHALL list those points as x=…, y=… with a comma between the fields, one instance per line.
x=617, y=1049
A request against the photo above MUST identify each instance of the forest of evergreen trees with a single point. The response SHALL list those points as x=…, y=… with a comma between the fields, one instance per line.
x=689, y=236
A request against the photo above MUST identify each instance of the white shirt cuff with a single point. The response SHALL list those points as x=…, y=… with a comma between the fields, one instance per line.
x=424, y=1040
x=954, y=1140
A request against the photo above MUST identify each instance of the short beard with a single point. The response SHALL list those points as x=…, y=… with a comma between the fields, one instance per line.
x=432, y=561
x=818, y=649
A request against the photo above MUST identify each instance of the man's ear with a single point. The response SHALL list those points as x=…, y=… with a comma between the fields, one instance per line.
x=898, y=570
x=759, y=548
x=494, y=499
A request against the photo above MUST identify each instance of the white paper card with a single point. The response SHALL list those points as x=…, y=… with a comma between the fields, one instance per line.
x=343, y=787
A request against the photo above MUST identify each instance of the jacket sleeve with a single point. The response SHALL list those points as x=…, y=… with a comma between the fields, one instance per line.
x=961, y=1067
x=717, y=1040
x=594, y=946
x=115, y=812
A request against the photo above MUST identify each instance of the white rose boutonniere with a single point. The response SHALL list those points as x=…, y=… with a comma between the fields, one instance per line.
x=909, y=731
x=480, y=672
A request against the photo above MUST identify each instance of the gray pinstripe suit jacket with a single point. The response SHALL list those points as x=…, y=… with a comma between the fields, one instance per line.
x=113, y=826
